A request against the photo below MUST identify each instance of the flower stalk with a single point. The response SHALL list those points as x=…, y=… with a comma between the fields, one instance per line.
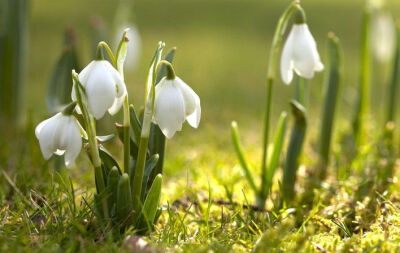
x=272, y=65
x=93, y=145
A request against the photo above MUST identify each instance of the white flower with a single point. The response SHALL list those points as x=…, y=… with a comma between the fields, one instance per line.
x=104, y=86
x=383, y=35
x=175, y=102
x=134, y=45
x=60, y=134
x=300, y=54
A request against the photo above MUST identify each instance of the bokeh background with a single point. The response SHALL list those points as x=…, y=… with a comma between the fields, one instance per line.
x=222, y=54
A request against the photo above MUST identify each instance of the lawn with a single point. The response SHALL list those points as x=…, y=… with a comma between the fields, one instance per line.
x=207, y=204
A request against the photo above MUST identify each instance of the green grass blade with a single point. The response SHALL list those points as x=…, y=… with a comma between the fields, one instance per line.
x=294, y=150
x=276, y=152
x=391, y=106
x=242, y=159
x=331, y=93
x=362, y=106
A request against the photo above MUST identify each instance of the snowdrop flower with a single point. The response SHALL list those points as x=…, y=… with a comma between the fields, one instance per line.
x=300, y=53
x=383, y=35
x=175, y=102
x=104, y=86
x=134, y=45
x=60, y=134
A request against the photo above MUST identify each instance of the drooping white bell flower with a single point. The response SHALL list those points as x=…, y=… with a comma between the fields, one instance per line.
x=104, y=86
x=300, y=53
x=383, y=35
x=60, y=135
x=175, y=102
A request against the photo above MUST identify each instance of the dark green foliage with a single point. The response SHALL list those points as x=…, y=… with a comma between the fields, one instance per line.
x=294, y=150
x=14, y=16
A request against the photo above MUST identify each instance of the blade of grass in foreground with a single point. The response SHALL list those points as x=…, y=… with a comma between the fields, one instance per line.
x=241, y=157
x=390, y=117
x=294, y=150
x=362, y=107
x=331, y=92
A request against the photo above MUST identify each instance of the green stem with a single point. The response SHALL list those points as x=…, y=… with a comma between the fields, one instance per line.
x=274, y=53
x=93, y=146
x=127, y=146
x=109, y=52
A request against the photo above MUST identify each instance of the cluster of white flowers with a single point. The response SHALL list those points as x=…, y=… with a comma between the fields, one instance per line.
x=105, y=90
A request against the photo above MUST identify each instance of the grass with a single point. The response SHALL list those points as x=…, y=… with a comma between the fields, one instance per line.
x=222, y=54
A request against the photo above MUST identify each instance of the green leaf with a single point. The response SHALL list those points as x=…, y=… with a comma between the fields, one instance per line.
x=124, y=201
x=240, y=154
x=151, y=163
x=108, y=160
x=60, y=83
x=135, y=125
x=112, y=189
x=150, y=205
x=276, y=152
x=331, y=94
x=13, y=51
x=294, y=150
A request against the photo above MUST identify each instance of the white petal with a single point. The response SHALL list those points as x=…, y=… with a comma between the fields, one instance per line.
x=118, y=80
x=169, y=108
x=118, y=102
x=72, y=141
x=194, y=118
x=100, y=91
x=303, y=52
x=86, y=72
x=286, y=59
x=192, y=103
x=46, y=132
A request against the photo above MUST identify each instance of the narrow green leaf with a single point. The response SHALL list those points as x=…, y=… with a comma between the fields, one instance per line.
x=331, y=93
x=124, y=201
x=108, y=160
x=112, y=189
x=150, y=205
x=294, y=150
x=276, y=152
x=60, y=83
x=393, y=90
x=363, y=100
x=241, y=157
x=136, y=126
x=151, y=163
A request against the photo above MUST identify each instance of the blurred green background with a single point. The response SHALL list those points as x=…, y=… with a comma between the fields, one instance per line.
x=222, y=54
